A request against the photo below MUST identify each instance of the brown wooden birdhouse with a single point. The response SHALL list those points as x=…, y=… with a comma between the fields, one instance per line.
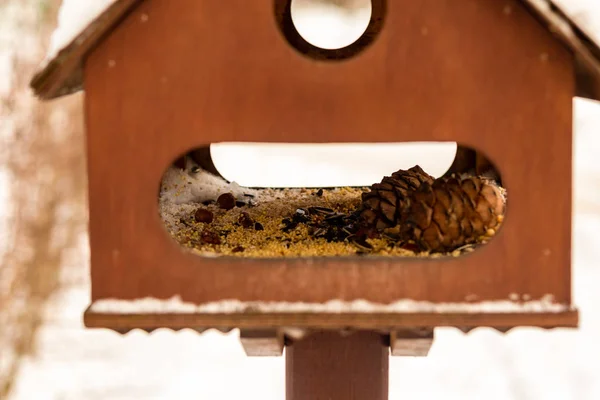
x=165, y=79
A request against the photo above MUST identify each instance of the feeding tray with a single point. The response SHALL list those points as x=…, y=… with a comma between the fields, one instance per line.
x=496, y=77
x=293, y=223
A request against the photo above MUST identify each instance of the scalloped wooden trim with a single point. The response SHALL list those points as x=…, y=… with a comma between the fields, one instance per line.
x=386, y=322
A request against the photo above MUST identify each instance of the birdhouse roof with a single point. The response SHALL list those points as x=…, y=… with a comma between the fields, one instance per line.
x=61, y=72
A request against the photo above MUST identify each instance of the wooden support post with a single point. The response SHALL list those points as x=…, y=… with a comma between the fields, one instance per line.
x=331, y=366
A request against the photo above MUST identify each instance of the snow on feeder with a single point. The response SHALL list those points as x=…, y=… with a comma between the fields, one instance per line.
x=163, y=80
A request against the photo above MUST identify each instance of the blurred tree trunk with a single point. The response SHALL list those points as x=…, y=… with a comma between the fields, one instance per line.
x=43, y=159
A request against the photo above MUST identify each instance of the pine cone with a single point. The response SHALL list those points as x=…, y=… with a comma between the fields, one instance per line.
x=437, y=215
x=381, y=206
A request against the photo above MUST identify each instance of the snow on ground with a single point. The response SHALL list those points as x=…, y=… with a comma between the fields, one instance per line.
x=76, y=363
x=317, y=168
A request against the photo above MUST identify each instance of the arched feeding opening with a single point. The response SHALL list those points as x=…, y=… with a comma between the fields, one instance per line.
x=325, y=165
x=446, y=202
x=330, y=29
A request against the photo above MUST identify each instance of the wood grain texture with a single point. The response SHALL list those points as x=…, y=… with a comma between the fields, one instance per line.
x=262, y=342
x=386, y=322
x=330, y=366
x=500, y=84
x=411, y=342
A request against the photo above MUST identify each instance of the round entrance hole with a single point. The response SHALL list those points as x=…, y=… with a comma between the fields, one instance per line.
x=330, y=29
x=331, y=24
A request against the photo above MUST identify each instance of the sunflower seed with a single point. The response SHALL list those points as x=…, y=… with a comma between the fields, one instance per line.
x=320, y=210
x=335, y=218
x=360, y=242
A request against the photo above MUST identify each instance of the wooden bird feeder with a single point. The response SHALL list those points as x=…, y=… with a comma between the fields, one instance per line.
x=162, y=78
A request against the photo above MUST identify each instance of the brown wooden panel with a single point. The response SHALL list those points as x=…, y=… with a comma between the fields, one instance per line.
x=437, y=71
